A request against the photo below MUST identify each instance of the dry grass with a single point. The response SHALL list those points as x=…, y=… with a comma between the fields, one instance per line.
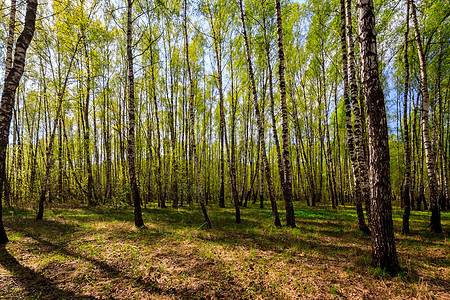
x=98, y=254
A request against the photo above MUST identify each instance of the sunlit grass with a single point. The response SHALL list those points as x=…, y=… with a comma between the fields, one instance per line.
x=99, y=253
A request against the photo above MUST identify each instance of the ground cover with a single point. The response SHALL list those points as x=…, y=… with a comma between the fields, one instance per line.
x=99, y=254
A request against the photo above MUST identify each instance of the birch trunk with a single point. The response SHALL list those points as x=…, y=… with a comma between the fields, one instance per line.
x=8, y=95
x=444, y=189
x=223, y=129
x=192, y=123
x=435, y=220
x=259, y=123
x=406, y=185
x=161, y=200
x=358, y=133
x=384, y=253
x=8, y=66
x=49, y=153
x=138, y=221
x=287, y=184
x=231, y=149
x=86, y=134
x=357, y=194
x=272, y=100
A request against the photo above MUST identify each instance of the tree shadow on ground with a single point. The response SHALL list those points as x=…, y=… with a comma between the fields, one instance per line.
x=310, y=237
x=175, y=218
x=316, y=225
x=41, y=286
x=34, y=283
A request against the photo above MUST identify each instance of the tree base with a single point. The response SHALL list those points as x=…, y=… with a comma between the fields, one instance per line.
x=3, y=238
x=365, y=229
x=435, y=220
x=277, y=222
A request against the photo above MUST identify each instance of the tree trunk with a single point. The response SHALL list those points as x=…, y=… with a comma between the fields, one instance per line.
x=231, y=149
x=406, y=185
x=9, y=89
x=337, y=139
x=261, y=185
x=49, y=154
x=259, y=123
x=287, y=184
x=61, y=166
x=435, y=220
x=222, y=167
x=329, y=159
x=10, y=42
x=33, y=148
x=357, y=194
x=107, y=140
x=329, y=163
x=192, y=123
x=161, y=200
x=359, y=140
x=138, y=221
x=8, y=66
x=172, y=126
x=272, y=100
x=384, y=254
x=86, y=133
x=223, y=128
x=444, y=188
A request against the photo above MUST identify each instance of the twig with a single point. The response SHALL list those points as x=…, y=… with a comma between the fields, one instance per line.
x=200, y=226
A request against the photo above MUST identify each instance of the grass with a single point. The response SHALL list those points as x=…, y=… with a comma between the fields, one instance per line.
x=99, y=254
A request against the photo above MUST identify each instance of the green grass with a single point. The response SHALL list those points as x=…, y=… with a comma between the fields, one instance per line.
x=98, y=253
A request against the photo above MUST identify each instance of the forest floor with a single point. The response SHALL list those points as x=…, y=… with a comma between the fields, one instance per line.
x=99, y=254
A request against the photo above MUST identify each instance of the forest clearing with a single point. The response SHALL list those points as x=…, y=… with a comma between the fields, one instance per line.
x=99, y=254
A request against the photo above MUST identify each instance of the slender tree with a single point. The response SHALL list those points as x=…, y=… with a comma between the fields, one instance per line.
x=430, y=158
x=10, y=42
x=49, y=159
x=192, y=123
x=271, y=94
x=217, y=41
x=444, y=190
x=358, y=132
x=138, y=221
x=8, y=95
x=406, y=184
x=259, y=122
x=348, y=121
x=91, y=195
x=8, y=66
x=287, y=183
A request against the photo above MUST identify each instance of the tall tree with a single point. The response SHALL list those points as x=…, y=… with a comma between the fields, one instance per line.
x=430, y=158
x=359, y=139
x=192, y=123
x=384, y=253
x=91, y=195
x=348, y=120
x=10, y=42
x=259, y=121
x=8, y=66
x=406, y=184
x=444, y=184
x=271, y=94
x=8, y=94
x=138, y=221
x=287, y=183
x=217, y=41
